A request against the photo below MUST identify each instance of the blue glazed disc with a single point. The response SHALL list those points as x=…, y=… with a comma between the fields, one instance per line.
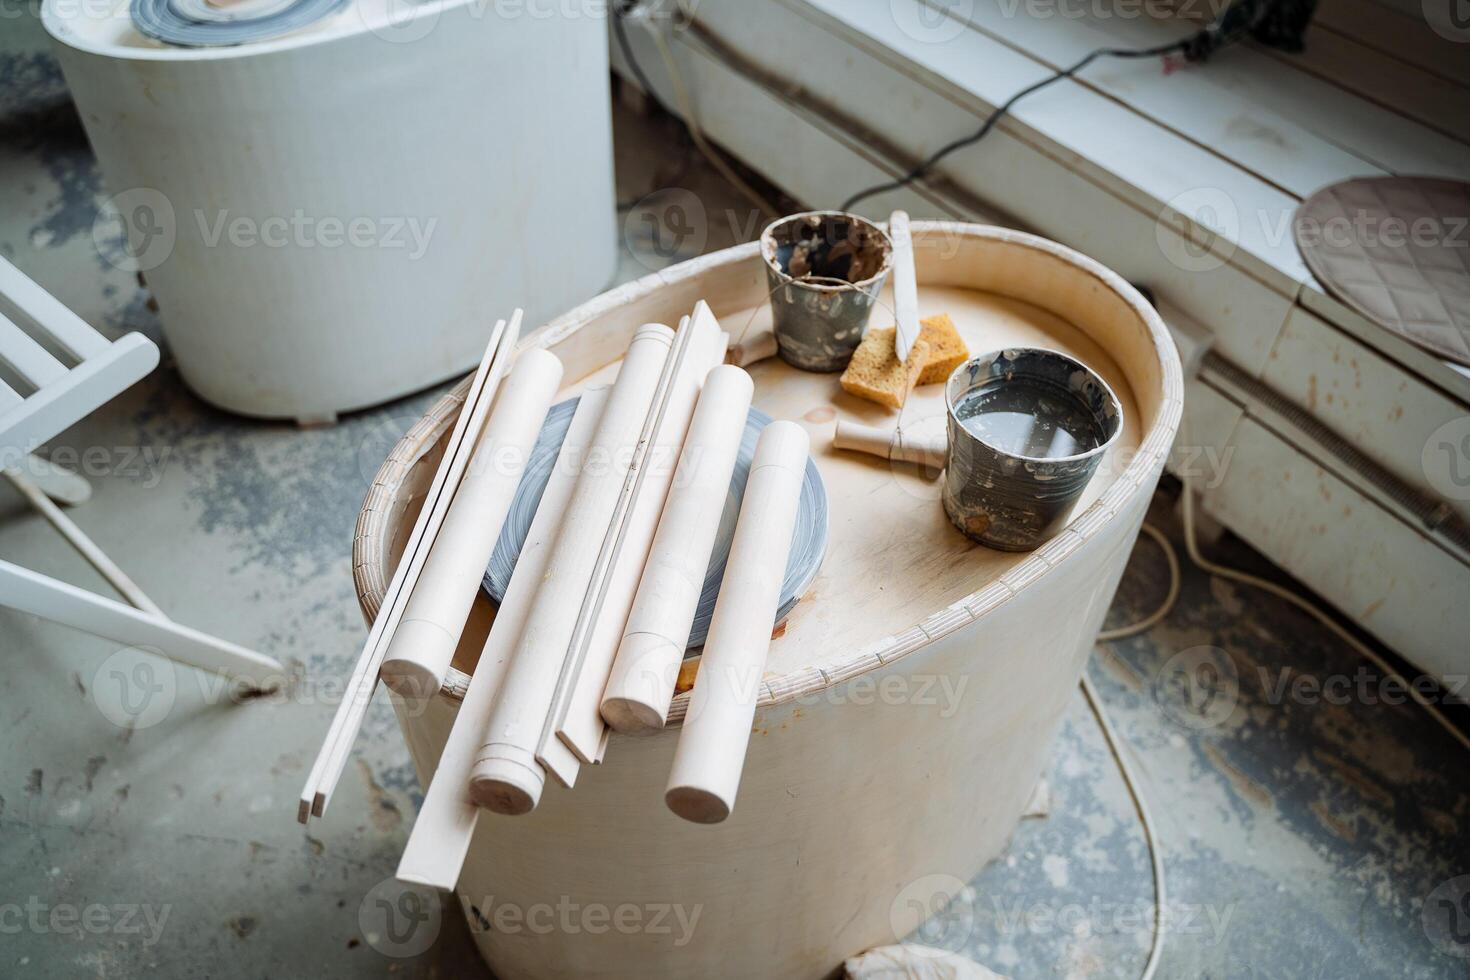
x=808, y=545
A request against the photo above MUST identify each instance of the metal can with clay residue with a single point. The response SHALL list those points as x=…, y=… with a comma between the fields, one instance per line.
x=1027, y=429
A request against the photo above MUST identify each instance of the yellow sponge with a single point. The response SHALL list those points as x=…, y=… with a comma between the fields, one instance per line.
x=874, y=372
x=947, y=349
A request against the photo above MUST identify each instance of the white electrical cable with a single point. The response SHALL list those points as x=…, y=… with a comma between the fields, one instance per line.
x=1114, y=741
x=1115, y=746
x=1265, y=585
x=1167, y=606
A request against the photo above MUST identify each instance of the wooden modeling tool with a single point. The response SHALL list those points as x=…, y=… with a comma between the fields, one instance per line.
x=891, y=444
x=905, y=286
x=656, y=634
x=423, y=645
x=337, y=746
x=446, y=822
x=699, y=347
x=507, y=776
x=712, y=745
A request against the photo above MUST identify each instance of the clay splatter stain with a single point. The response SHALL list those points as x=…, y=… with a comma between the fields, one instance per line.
x=94, y=766
x=383, y=812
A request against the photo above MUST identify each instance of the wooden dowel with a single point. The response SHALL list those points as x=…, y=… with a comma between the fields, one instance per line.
x=506, y=777
x=578, y=722
x=711, y=751
x=446, y=822
x=656, y=634
x=891, y=444
x=756, y=347
x=423, y=645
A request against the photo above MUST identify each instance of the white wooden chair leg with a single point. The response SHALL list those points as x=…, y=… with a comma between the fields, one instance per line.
x=59, y=602
x=57, y=482
x=78, y=539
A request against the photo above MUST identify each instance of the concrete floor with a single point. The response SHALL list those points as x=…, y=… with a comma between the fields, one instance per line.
x=1302, y=839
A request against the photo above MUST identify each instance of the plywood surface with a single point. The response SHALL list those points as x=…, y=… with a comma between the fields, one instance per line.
x=893, y=558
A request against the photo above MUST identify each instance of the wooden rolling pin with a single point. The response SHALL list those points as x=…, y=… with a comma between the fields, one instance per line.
x=890, y=444
x=657, y=631
x=507, y=777
x=423, y=646
x=711, y=751
x=583, y=729
x=446, y=823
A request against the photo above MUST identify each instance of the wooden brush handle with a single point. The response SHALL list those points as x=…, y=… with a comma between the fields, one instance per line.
x=888, y=444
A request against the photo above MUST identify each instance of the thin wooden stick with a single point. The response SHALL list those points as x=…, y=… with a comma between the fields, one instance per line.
x=336, y=747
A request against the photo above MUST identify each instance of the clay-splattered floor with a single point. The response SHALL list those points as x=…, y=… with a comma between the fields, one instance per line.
x=1303, y=838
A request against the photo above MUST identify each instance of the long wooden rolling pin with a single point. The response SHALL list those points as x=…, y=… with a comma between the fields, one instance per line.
x=657, y=631
x=423, y=646
x=711, y=752
x=506, y=777
x=891, y=444
x=446, y=823
x=583, y=729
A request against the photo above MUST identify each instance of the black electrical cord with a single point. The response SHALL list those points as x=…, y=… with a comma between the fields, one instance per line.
x=989, y=124
x=1240, y=18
